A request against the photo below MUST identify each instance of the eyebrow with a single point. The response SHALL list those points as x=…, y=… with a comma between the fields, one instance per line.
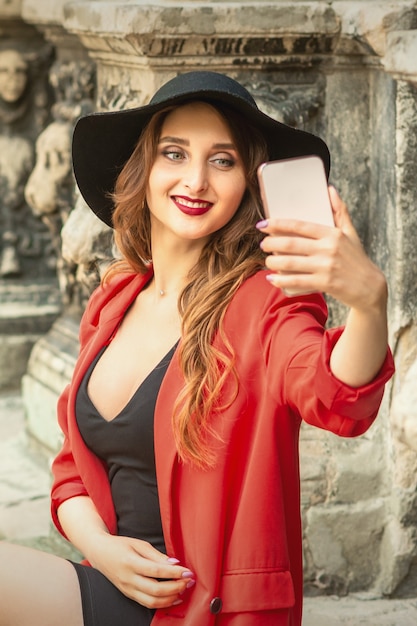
x=185, y=142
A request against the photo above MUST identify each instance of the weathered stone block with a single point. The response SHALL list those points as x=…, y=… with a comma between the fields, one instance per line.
x=26, y=313
x=401, y=56
x=314, y=466
x=343, y=541
x=396, y=554
x=14, y=355
x=359, y=468
x=49, y=370
x=41, y=418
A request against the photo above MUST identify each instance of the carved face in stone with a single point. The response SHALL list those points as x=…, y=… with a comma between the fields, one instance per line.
x=46, y=184
x=13, y=75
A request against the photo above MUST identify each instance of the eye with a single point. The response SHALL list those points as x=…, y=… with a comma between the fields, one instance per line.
x=173, y=154
x=223, y=161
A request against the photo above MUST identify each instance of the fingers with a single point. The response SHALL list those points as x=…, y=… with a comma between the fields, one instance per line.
x=147, y=551
x=300, y=261
x=158, y=581
x=336, y=201
x=285, y=245
x=161, y=571
x=143, y=573
x=306, y=257
x=341, y=214
x=291, y=228
x=155, y=564
x=154, y=593
x=310, y=230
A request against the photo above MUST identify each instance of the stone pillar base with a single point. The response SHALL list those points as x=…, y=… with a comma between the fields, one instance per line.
x=49, y=370
x=27, y=311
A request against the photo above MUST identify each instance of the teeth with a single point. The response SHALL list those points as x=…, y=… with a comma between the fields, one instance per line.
x=192, y=205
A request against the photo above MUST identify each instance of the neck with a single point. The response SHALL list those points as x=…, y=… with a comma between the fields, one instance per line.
x=172, y=257
x=171, y=273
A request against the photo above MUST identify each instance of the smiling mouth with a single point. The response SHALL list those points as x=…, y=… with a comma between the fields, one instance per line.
x=192, y=207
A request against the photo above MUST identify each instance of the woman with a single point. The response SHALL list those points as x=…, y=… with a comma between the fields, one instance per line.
x=178, y=477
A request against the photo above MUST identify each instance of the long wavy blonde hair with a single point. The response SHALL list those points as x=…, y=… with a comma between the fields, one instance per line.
x=231, y=255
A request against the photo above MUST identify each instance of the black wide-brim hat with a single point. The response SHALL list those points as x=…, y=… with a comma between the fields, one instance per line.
x=103, y=142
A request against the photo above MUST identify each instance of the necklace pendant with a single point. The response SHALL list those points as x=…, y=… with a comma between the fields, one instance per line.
x=161, y=292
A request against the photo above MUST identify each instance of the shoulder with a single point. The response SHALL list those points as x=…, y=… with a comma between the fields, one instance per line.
x=106, y=292
x=110, y=298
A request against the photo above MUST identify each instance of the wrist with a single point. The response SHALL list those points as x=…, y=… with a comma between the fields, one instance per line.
x=374, y=301
x=95, y=546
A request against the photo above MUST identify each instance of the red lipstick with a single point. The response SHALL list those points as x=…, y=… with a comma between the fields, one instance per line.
x=191, y=206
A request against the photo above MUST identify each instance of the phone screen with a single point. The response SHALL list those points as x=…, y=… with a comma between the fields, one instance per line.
x=296, y=189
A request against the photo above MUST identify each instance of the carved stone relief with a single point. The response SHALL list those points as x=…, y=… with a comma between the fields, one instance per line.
x=87, y=248
x=23, y=111
x=13, y=84
x=50, y=189
x=24, y=93
x=120, y=96
x=295, y=105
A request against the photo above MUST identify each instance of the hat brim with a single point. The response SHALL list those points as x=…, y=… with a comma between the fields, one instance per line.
x=103, y=142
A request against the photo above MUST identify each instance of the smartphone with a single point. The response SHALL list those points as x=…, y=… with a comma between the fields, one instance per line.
x=296, y=189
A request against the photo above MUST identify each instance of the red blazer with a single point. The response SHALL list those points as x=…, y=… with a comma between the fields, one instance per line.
x=237, y=526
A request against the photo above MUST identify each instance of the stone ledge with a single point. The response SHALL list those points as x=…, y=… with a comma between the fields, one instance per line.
x=204, y=18
x=189, y=28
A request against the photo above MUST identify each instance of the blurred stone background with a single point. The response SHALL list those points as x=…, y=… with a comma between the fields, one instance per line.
x=346, y=70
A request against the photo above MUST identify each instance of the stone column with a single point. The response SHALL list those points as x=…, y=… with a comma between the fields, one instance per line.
x=399, y=547
x=50, y=192
x=29, y=298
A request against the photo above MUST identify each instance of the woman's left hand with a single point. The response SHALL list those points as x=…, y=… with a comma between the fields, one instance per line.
x=306, y=257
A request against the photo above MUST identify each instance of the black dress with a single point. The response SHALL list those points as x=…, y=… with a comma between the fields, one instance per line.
x=126, y=444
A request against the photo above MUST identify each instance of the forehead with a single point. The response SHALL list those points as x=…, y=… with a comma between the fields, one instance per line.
x=196, y=116
x=10, y=59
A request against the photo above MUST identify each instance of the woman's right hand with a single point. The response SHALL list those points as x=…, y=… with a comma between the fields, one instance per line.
x=139, y=571
x=135, y=567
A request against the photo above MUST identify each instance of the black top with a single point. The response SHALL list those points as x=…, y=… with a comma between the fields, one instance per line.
x=126, y=444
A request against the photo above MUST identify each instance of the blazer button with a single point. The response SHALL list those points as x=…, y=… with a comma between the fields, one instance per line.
x=216, y=605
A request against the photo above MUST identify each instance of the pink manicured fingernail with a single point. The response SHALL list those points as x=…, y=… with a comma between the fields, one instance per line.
x=262, y=224
x=177, y=602
x=190, y=583
x=187, y=575
x=173, y=560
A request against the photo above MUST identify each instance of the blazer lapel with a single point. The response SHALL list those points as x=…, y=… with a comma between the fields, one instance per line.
x=165, y=450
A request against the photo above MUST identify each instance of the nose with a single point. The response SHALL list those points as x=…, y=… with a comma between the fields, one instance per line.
x=196, y=177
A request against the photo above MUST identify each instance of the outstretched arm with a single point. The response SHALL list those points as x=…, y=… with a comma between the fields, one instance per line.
x=306, y=257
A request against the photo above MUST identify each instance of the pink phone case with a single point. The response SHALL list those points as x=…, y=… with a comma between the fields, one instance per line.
x=296, y=189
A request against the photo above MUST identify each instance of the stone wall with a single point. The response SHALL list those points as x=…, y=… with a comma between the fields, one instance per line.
x=346, y=70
